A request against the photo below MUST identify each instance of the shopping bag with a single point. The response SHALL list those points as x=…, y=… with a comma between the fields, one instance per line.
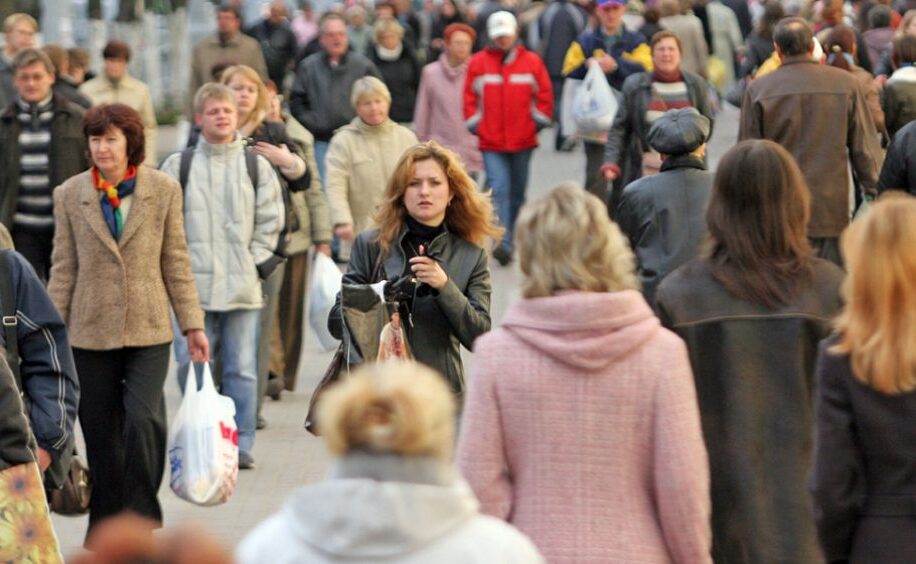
x=322, y=294
x=594, y=106
x=204, y=444
x=26, y=531
x=571, y=87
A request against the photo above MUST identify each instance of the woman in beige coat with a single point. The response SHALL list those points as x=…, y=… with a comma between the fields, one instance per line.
x=361, y=157
x=120, y=261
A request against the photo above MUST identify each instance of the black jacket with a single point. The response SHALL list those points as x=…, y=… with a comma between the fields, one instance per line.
x=69, y=90
x=279, y=45
x=16, y=444
x=402, y=77
x=899, y=170
x=626, y=139
x=754, y=372
x=67, y=154
x=864, y=477
x=663, y=216
x=440, y=321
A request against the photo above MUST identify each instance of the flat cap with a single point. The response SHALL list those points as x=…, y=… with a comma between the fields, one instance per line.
x=678, y=132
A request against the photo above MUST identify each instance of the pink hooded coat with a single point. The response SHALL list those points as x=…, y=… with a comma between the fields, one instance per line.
x=581, y=428
x=439, y=116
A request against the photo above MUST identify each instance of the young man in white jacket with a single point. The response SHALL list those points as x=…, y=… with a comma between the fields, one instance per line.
x=234, y=238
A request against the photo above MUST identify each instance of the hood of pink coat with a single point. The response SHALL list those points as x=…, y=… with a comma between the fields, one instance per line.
x=586, y=330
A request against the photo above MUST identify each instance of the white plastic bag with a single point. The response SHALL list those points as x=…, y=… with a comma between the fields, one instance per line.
x=594, y=106
x=204, y=444
x=322, y=294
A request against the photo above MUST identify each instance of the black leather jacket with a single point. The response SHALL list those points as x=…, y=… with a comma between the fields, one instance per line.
x=16, y=442
x=439, y=321
x=663, y=216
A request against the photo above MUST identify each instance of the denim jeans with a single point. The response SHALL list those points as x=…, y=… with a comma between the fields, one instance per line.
x=321, y=152
x=507, y=176
x=234, y=336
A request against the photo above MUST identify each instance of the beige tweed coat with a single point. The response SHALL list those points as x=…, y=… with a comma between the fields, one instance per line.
x=115, y=294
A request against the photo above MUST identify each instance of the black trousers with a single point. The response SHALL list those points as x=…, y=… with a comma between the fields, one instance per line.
x=594, y=181
x=36, y=248
x=122, y=413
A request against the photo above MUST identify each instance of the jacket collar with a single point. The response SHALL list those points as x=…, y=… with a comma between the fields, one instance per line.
x=92, y=209
x=797, y=59
x=904, y=74
x=61, y=106
x=683, y=161
x=450, y=71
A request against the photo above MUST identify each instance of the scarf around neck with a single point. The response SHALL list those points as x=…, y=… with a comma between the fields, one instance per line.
x=111, y=197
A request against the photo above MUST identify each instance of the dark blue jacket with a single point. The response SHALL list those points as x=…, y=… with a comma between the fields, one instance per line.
x=46, y=366
x=631, y=52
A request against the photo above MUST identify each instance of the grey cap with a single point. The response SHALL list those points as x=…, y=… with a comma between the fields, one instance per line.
x=678, y=132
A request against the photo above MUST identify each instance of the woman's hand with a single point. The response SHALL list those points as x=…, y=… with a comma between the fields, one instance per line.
x=428, y=271
x=198, y=345
x=344, y=232
x=44, y=458
x=279, y=156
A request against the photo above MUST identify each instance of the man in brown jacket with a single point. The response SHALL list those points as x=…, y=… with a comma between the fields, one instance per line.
x=227, y=45
x=817, y=113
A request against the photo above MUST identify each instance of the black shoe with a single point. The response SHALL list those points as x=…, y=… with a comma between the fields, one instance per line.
x=502, y=255
x=246, y=461
x=261, y=424
x=274, y=386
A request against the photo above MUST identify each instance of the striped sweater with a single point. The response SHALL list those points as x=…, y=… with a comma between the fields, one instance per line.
x=34, y=207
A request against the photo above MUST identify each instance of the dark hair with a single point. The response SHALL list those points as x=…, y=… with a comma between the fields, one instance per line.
x=226, y=7
x=757, y=217
x=99, y=119
x=903, y=50
x=879, y=16
x=772, y=13
x=217, y=70
x=651, y=15
x=793, y=36
x=115, y=49
x=841, y=40
x=58, y=56
x=665, y=34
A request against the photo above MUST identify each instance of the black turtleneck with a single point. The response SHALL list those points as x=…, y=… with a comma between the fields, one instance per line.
x=419, y=234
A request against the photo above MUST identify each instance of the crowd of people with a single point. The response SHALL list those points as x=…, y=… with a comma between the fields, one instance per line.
x=704, y=365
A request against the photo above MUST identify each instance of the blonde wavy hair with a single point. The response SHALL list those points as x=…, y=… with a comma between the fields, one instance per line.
x=400, y=408
x=878, y=324
x=470, y=215
x=261, y=107
x=565, y=241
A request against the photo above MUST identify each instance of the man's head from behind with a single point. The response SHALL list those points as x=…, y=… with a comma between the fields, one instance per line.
x=33, y=75
x=216, y=113
x=20, y=30
x=792, y=37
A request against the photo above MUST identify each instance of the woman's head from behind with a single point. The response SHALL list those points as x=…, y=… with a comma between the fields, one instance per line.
x=400, y=408
x=903, y=51
x=841, y=48
x=250, y=93
x=565, y=241
x=878, y=324
x=114, y=133
x=430, y=185
x=757, y=218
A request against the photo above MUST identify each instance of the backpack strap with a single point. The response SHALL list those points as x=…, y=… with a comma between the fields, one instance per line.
x=9, y=320
x=184, y=166
x=251, y=164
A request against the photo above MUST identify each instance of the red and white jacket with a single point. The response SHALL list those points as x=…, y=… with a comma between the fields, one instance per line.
x=508, y=98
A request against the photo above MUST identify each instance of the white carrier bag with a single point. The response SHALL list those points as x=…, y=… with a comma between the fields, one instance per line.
x=204, y=444
x=326, y=282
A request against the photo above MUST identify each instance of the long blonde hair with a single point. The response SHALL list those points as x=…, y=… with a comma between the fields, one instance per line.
x=878, y=324
x=390, y=407
x=259, y=112
x=565, y=241
x=470, y=215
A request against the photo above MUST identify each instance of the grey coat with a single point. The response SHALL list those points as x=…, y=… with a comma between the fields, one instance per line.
x=442, y=320
x=320, y=99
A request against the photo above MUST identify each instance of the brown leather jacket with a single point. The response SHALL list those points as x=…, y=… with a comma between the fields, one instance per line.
x=817, y=113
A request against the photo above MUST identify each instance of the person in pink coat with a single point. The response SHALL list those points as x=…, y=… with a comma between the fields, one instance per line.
x=438, y=115
x=581, y=425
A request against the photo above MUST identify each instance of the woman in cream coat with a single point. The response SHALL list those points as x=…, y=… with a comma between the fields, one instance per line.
x=361, y=158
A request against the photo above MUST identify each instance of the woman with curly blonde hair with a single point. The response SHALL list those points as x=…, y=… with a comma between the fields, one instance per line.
x=581, y=408
x=430, y=231
x=392, y=494
x=864, y=477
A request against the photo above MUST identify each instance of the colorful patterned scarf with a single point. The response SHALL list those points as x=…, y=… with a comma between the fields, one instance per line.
x=111, y=198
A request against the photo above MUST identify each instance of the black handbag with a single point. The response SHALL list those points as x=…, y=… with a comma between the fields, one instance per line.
x=344, y=358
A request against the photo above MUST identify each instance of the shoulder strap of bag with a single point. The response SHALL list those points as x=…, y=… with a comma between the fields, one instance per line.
x=10, y=322
x=187, y=155
x=251, y=165
x=376, y=269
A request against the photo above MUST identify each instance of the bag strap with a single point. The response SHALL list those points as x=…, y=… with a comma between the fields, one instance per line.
x=251, y=165
x=184, y=166
x=9, y=320
x=376, y=269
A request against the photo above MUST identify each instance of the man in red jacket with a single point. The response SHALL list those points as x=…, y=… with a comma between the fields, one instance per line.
x=507, y=100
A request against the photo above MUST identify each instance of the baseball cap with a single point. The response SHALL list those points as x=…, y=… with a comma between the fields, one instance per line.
x=603, y=3
x=500, y=24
